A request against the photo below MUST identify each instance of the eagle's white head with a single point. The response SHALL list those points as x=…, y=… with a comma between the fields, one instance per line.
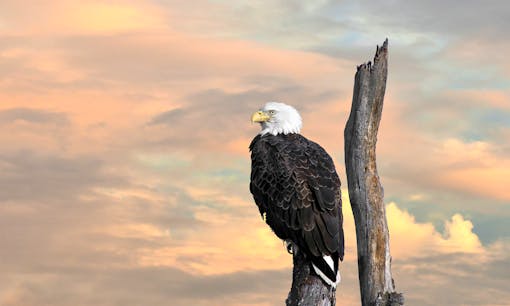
x=278, y=118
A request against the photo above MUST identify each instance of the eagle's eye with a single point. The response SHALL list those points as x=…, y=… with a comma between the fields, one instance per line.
x=272, y=112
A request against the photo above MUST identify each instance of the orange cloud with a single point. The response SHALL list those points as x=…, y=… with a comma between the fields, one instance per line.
x=412, y=239
x=91, y=17
x=409, y=238
x=135, y=230
x=474, y=167
x=223, y=248
x=239, y=146
x=490, y=98
x=101, y=17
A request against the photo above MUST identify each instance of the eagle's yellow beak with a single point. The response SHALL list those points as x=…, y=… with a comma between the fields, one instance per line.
x=260, y=116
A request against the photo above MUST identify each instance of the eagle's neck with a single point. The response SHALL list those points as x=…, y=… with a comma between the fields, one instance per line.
x=280, y=128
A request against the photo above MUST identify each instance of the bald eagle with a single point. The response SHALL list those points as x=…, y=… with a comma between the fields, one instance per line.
x=297, y=190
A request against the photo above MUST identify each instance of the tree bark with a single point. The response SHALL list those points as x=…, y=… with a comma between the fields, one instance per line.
x=307, y=288
x=366, y=196
x=365, y=190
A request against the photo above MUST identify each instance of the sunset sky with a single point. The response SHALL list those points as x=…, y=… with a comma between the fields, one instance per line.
x=124, y=132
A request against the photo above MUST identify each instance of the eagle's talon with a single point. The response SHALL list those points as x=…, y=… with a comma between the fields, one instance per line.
x=290, y=247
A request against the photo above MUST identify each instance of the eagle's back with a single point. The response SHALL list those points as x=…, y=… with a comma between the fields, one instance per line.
x=295, y=184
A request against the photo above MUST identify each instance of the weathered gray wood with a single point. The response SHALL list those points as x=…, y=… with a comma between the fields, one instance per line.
x=307, y=288
x=365, y=190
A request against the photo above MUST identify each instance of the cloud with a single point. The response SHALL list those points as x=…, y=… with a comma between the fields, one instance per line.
x=425, y=261
x=425, y=17
x=169, y=117
x=457, y=237
x=448, y=162
x=424, y=280
x=150, y=286
x=93, y=17
x=32, y=116
x=37, y=177
x=214, y=116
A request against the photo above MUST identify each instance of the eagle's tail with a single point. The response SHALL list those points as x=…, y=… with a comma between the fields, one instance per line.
x=327, y=268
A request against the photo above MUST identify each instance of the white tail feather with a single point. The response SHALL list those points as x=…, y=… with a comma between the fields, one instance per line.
x=328, y=281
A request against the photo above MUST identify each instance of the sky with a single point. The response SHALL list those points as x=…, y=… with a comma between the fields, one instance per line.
x=124, y=132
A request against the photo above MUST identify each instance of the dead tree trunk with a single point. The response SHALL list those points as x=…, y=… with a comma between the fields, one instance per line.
x=365, y=190
x=307, y=288
x=366, y=195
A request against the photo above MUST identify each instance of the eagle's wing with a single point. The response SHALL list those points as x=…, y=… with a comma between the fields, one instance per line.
x=295, y=184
